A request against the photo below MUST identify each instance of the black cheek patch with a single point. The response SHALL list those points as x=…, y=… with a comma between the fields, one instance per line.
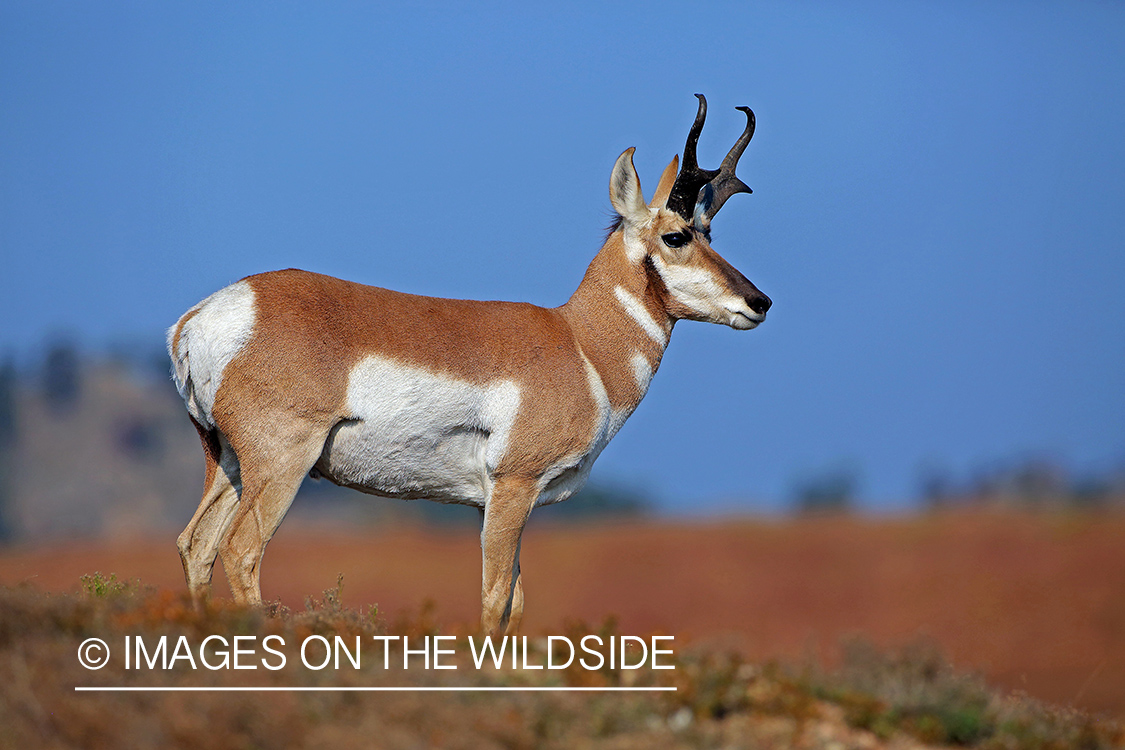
x=654, y=277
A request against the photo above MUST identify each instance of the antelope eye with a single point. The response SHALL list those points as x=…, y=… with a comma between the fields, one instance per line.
x=676, y=239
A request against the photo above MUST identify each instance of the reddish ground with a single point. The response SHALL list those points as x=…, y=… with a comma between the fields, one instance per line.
x=1036, y=603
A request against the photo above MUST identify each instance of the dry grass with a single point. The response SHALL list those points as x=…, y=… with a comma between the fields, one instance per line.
x=1032, y=602
x=901, y=700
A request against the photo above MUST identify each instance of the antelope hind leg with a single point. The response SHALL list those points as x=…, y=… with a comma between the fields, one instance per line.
x=199, y=542
x=269, y=485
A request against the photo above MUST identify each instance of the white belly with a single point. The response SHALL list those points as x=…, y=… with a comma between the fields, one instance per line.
x=418, y=434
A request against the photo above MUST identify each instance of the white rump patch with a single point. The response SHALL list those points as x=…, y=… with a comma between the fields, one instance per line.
x=420, y=434
x=638, y=312
x=221, y=326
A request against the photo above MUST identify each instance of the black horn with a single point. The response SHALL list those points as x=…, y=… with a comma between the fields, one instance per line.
x=726, y=184
x=685, y=191
x=722, y=182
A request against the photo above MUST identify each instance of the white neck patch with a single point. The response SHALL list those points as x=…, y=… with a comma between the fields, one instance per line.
x=634, y=248
x=642, y=371
x=638, y=312
x=598, y=392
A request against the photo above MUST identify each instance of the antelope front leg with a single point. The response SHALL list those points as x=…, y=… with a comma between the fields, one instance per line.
x=505, y=514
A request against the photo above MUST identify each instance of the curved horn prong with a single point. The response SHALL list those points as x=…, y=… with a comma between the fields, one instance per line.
x=726, y=184
x=690, y=160
x=685, y=191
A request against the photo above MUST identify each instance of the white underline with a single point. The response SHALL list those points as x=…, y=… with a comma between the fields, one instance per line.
x=443, y=689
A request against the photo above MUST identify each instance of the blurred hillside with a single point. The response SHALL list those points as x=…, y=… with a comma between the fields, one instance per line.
x=102, y=446
x=94, y=448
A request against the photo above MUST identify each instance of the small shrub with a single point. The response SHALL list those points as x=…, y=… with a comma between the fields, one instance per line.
x=98, y=586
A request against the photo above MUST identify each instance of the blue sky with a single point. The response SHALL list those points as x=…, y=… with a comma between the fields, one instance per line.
x=937, y=209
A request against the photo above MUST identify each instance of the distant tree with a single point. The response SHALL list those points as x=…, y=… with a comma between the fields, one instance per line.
x=9, y=434
x=1026, y=482
x=140, y=438
x=936, y=487
x=1091, y=491
x=9, y=426
x=1039, y=481
x=62, y=377
x=7, y=530
x=831, y=491
x=600, y=501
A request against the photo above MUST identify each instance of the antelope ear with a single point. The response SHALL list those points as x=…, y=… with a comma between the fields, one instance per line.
x=664, y=187
x=625, y=190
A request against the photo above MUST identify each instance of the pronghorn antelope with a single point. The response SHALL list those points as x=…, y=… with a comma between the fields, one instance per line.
x=500, y=405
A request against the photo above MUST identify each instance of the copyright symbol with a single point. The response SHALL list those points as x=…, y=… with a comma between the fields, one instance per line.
x=93, y=653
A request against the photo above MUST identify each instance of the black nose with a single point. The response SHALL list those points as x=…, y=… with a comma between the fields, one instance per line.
x=759, y=303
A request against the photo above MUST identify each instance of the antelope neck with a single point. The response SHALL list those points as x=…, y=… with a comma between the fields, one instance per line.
x=620, y=323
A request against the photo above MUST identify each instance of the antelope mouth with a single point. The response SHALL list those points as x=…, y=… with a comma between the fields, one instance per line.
x=745, y=321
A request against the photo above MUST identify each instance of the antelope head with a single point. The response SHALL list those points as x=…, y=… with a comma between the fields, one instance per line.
x=671, y=235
